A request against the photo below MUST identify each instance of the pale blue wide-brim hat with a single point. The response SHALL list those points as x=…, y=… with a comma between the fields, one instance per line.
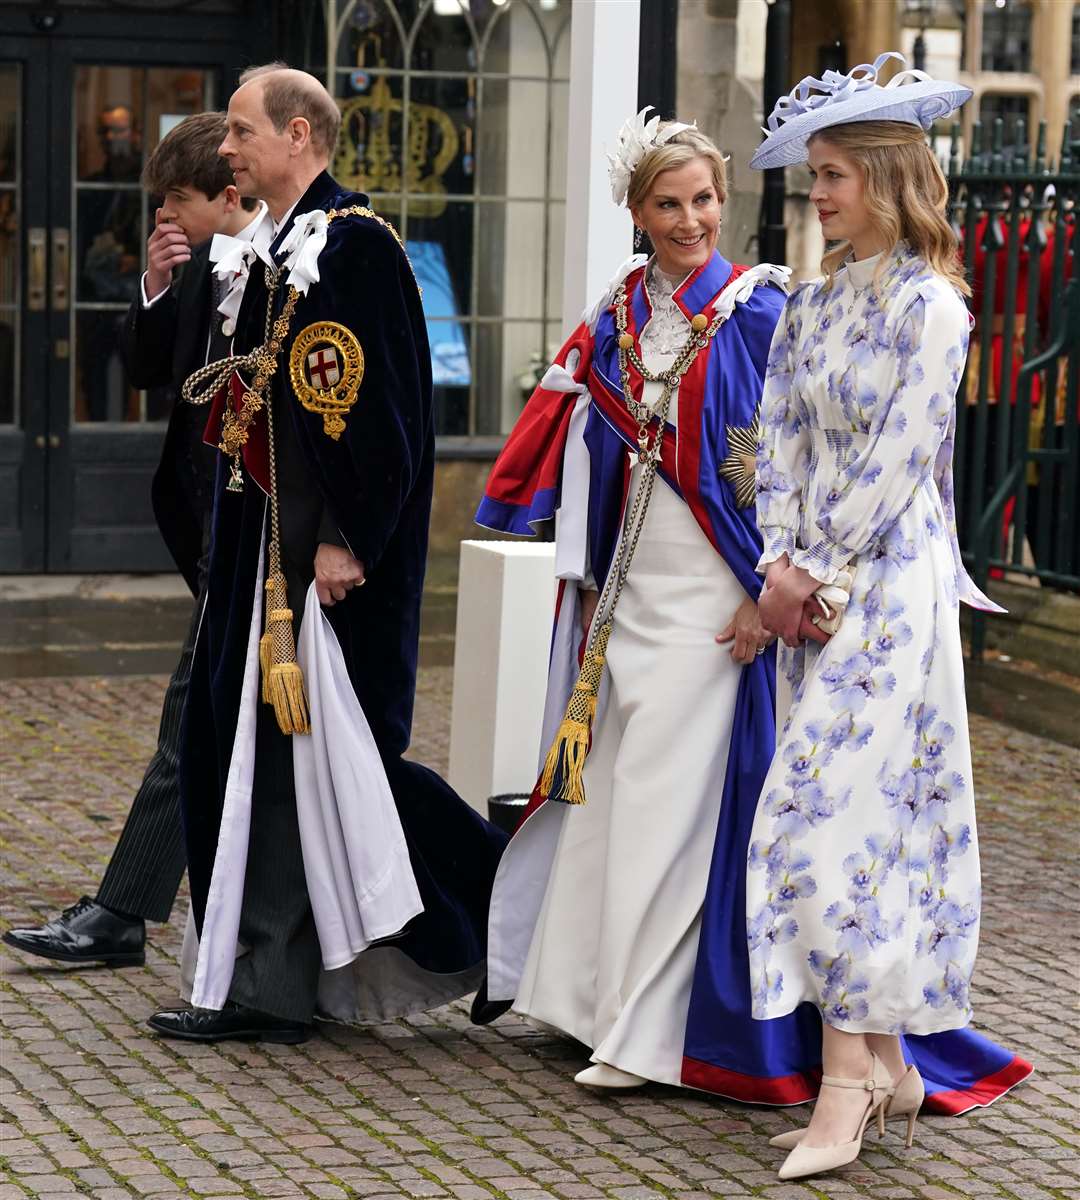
x=838, y=99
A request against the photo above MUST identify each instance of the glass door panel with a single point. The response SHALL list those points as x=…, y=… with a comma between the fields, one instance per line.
x=120, y=113
x=10, y=242
x=109, y=115
x=83, y=101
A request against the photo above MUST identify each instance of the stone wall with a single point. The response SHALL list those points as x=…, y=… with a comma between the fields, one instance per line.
x=459, y=484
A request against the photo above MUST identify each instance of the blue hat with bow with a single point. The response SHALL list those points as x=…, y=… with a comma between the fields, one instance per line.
x=911, y=97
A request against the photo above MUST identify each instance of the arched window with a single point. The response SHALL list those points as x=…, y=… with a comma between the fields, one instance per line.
x=454, y=123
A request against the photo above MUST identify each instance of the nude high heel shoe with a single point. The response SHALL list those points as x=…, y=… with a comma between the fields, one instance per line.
x=906, y=1100
x=813, y=1160
x=903, y=1104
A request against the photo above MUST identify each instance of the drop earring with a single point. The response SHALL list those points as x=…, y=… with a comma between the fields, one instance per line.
x=639, y=238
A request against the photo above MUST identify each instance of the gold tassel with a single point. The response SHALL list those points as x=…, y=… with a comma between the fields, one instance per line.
x=287, y=695
x=266, y=643
x=563, y=775
x=282, y=678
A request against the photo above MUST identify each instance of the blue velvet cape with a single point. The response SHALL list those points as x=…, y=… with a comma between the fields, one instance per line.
x=374, y=486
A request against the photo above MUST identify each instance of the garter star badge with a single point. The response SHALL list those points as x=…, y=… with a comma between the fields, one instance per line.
x=326, y=366
x=739, y=467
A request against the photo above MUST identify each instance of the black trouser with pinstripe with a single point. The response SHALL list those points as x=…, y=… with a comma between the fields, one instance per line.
x=279, y=972
x=146, y=867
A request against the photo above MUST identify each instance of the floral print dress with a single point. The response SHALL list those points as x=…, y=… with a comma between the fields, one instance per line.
x=863, y=880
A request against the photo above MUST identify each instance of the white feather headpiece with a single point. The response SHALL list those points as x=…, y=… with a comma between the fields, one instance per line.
x=636, y=138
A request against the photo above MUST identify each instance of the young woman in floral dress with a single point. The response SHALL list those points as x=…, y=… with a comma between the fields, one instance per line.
x=863, y=883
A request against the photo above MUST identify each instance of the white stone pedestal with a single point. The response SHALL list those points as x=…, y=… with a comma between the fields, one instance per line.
x=506, y=598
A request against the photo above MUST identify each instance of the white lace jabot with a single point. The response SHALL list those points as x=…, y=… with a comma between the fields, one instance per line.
x=668, y=329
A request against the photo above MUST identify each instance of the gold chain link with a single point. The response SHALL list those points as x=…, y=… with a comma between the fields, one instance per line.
x=262, y=362
x=648, y=453
x=359, y=210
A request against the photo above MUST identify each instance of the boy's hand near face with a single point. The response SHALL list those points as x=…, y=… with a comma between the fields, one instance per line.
x=167, y=248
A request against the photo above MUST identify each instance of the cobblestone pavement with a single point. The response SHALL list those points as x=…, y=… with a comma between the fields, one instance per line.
x=97, y=1107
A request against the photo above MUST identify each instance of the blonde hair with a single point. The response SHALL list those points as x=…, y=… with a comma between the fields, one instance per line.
x=905, y=194
x=683, y=148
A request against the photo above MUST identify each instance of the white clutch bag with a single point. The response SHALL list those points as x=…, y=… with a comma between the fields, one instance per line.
x=833, y=598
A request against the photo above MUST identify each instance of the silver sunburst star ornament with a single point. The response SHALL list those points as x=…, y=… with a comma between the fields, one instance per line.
x=740, y=465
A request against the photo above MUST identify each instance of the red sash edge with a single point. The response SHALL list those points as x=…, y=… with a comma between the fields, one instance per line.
x=750, y=1089
x=803, y=1086
x=981, y=1093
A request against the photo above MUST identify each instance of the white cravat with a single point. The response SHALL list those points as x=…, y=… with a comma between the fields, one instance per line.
x=231, y=257
x=266, y=233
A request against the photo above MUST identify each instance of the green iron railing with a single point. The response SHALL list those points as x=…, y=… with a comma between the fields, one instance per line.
x=1017, y=457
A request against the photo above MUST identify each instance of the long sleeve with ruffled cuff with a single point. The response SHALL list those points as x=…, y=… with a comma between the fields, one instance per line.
x=783, y=446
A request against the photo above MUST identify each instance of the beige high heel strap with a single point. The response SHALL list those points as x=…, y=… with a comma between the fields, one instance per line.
x=863, y=1085
x=879, y=1086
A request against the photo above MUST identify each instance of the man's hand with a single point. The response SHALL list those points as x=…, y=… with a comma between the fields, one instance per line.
x=589, y=599
x=336, y=573
x=745, y=632
x=167, y=248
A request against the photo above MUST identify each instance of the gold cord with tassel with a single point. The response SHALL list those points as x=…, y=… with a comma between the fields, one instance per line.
x=563, y=775
x=282, y=678
x=565, y=764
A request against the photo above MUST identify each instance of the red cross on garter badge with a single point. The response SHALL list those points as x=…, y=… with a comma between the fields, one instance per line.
x=326, y=366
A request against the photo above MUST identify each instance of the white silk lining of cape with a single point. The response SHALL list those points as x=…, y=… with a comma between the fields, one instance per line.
x=356, y=862
x=216, y=949
x=571, y=519
x=522, y=877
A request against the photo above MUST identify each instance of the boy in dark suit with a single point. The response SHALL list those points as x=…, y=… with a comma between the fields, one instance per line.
x=169, y=332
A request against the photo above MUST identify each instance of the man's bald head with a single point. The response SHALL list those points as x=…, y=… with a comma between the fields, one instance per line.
x=288, y=93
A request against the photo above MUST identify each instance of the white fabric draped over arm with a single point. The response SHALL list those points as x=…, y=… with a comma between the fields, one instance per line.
x=571, y=518
x=356, y=862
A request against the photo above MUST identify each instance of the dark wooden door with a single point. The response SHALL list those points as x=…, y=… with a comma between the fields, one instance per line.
x=24, y=304
x=82, y=102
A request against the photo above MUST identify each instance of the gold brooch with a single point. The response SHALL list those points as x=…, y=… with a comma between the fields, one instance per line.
x=740, y=466
x=326, y=366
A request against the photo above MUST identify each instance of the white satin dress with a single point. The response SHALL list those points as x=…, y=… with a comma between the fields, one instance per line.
x=612, y=957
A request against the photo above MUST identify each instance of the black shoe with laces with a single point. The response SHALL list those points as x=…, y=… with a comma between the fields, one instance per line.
x=87, y=932
x=234, y=1023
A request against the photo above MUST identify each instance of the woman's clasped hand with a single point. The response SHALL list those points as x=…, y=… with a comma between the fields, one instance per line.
x=786, y=607
x=747, y=635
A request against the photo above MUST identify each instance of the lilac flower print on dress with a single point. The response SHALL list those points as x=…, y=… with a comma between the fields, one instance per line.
x=863, y=865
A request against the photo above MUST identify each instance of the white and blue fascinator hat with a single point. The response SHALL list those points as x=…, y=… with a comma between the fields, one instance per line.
x=911, y=97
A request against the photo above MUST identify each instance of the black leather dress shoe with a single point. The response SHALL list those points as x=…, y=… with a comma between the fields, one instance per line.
x=483, y=1010
x=234, y=1023
x=86, y=932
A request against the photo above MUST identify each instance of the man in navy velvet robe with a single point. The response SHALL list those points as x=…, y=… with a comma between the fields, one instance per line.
x=354, y=514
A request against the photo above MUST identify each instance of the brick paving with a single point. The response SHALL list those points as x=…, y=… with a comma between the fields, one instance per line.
x=95, y=1106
